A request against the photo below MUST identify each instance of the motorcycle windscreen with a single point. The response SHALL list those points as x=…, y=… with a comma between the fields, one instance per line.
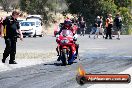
x=66, y=33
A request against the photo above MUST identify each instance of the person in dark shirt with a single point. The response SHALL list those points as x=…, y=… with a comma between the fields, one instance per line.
x=75, y=20
x=82, y=25
x=10, y=29
x=98, y=22
x=118, y=24
x=93, y=29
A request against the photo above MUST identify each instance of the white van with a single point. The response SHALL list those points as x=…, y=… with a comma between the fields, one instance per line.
x=31, y=28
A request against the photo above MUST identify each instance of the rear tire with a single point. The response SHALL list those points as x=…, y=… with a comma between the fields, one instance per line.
x=64, y=57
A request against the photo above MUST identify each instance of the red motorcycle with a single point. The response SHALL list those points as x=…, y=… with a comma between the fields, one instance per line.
x=66, y=47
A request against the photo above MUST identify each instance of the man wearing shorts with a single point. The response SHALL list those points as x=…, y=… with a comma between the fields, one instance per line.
x=118, y=24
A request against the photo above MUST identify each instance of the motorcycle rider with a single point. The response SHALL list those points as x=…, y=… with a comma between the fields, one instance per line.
x=68, y=26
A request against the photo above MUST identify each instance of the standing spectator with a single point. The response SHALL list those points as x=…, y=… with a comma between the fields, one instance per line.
x=118, y=24
x=82, y=25
x=98, y=22
x=75, y=20
x=101, y=30
x=11, y=27
x=98, y=28
x=94, y=28
x=109, y=25
x=1, y=21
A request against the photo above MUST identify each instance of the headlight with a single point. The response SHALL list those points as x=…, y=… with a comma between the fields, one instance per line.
x=64, y=41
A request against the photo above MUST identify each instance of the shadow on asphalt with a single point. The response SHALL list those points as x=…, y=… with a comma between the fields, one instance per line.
x=57, y=64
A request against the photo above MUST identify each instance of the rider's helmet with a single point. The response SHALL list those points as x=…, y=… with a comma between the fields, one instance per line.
x=68, y=23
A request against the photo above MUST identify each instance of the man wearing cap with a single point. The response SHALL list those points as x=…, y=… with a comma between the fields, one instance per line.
x=10, y=29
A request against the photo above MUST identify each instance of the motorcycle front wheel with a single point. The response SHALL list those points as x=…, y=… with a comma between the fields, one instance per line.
x=64, y=57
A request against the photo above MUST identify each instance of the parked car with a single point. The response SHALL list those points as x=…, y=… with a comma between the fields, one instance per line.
x=31, y=28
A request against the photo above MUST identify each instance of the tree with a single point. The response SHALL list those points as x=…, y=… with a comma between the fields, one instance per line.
x=34, y=7
x=7, y=4
x=41, y=7
x=23, y=5
x=91, y=8
x=123, y=3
